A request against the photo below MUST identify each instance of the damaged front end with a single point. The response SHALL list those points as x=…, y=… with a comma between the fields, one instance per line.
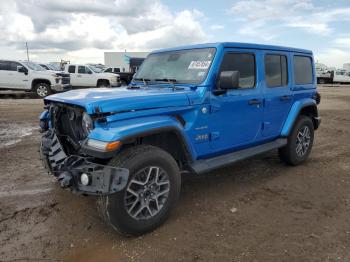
x=61, y=154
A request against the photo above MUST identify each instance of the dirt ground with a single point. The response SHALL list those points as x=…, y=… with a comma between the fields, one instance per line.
x=257, y=210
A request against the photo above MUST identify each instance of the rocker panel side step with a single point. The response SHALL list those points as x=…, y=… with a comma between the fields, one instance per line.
x=206, y=165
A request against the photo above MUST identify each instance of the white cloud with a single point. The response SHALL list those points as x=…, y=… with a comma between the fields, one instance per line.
x=342, y=42
x=334, y=57
x=86, y=28
x=216, y=27
x=287, y=14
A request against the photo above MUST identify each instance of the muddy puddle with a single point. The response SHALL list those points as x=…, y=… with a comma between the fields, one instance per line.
x=13, y=133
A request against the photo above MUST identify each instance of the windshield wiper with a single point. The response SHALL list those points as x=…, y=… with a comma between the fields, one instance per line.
x=144, y=80
x=168, y=80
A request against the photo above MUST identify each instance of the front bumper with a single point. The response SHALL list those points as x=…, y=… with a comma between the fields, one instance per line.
x=116, y=84
x=61, y=87
x=103, y=179
x=317, y=122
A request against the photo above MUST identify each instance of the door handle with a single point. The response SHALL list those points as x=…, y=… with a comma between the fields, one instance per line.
x=285, y=98
x=254, y=102
x=78, y=75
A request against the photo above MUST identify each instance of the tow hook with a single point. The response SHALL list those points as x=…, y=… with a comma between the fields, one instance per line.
x=65, y=179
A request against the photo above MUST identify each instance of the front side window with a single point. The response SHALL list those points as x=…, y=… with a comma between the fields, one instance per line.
x=302, y=70
x=108, y=70
x=83, y=70
x=244, y=63
x=276, y=72
x=33, y=66
x=14, y=65
x=71, y=69
x=185, y=66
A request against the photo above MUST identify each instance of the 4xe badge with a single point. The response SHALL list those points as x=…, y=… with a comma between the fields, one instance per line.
x=202, y=137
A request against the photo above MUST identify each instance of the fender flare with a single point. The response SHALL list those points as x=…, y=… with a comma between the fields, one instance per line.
x=125, y=130
x=294, y=113
x=38, y=80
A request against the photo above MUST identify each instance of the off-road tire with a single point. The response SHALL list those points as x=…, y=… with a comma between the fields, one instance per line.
x=103, y=83
x=288, y=153
x=113, y=208
x=42, y=90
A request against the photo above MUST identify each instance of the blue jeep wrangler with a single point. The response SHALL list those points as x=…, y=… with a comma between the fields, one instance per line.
x=188, y=109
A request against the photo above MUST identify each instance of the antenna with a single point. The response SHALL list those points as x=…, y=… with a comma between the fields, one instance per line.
x=27, y=51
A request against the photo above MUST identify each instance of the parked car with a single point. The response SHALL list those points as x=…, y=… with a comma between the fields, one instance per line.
x=188, y=109
x=327, y=75
x=29, y=76
x=125, y=77
x=83, y=76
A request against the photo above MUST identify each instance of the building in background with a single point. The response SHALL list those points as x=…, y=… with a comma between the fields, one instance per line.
x=122, y=59
x=346, y=66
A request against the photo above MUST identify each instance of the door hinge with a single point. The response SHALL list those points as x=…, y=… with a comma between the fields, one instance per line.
x=214, y=108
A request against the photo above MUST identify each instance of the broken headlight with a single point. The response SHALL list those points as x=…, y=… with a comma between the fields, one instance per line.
x=87, y=123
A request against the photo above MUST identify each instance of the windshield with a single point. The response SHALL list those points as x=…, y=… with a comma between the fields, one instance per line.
x=95, y=69
x=184, y=66
x=53, y=67
x=34, y=66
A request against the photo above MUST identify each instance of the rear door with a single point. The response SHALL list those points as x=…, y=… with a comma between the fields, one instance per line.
x=277, y=92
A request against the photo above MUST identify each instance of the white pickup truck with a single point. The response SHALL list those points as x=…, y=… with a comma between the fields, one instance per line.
x=82, y=76
x=28, y=76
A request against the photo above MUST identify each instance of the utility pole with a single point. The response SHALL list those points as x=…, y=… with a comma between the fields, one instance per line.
x=27, y=51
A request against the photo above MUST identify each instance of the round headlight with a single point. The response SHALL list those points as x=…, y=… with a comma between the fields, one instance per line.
x=87, y=123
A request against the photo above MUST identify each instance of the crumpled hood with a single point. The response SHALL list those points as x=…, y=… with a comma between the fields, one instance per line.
x=122, y=99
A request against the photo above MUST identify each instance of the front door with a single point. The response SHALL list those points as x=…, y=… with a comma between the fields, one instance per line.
x=86, y=76
x=236, y=116
x=10, y=78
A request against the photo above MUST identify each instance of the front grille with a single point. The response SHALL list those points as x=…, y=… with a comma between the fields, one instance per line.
x=67, y=122
x=66, y=80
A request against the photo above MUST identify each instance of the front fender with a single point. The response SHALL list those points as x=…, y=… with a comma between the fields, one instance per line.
x=125, y=129
x=294, y=113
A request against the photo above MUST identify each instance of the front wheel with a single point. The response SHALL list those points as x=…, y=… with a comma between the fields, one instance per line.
x=42, y=90
x=300, y=142
x=152, y=191
x=103, y=83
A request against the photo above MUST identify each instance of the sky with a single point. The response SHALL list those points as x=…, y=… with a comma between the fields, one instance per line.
x=82, y=30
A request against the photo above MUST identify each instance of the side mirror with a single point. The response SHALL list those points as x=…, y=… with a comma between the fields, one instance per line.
x=22, y=69
x=89, y=72
x=229, y=80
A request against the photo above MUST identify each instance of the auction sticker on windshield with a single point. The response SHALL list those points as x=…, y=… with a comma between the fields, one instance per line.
x=199, y=65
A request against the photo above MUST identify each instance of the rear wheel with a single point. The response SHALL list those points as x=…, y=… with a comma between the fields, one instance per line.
x=152, y=191
x=42, y=90
x=300, y=142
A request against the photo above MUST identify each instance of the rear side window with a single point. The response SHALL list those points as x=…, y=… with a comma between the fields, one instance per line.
x=302, y=70
x=244, y=63
x=5, y=65
x=276, y=72
x=71, y=69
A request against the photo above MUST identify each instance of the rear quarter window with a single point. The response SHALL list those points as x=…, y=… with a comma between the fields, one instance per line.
x=302, y=70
